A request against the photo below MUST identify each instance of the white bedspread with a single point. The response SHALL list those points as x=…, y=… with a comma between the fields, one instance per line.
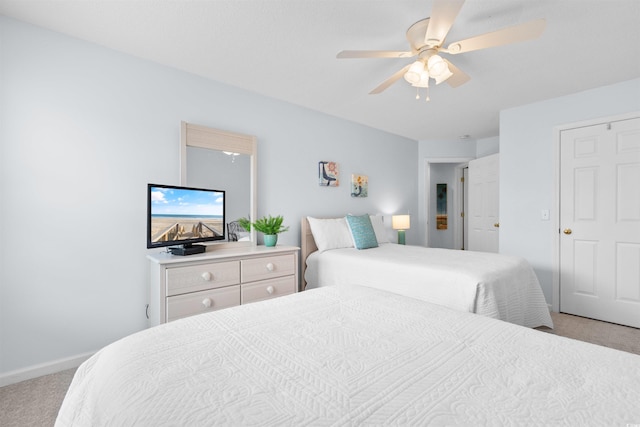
x=351, y=356
x=494, y=285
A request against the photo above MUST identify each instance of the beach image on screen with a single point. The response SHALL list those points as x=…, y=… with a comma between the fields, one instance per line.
x=185, y=214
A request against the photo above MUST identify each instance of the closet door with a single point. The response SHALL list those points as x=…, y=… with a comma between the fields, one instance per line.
x=600, y=222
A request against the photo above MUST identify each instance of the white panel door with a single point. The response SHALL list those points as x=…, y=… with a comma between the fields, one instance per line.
x=600, y=222
x=484, y=204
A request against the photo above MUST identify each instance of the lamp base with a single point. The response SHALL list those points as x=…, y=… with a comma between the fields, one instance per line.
x=401, y=239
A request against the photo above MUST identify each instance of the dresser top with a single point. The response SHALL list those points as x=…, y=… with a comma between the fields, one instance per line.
x=213, y=253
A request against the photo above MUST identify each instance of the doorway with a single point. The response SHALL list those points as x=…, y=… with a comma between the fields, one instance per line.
x=454, y=167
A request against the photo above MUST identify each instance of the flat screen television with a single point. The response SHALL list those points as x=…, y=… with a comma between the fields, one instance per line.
x=180, y=217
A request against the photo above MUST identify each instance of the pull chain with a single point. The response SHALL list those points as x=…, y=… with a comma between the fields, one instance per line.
x=427, y=99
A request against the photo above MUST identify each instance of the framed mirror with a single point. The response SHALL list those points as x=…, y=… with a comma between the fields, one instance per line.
x=222, y=160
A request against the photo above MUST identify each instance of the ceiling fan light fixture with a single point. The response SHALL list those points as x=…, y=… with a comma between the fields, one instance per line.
x=444, y=76
x=426, y=38
x=424, y=80
x=414, y=72
x=437, y=66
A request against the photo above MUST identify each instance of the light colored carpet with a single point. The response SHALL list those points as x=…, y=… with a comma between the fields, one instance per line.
x=36, y=402
x=594, y=331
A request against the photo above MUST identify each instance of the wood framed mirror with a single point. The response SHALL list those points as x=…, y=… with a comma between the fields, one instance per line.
x=222, y=160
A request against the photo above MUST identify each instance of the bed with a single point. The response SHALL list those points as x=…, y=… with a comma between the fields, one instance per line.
x=351, y=355
x=494, y=285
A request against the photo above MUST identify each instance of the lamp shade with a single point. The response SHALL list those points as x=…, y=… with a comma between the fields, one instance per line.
x=436, y=66
x=444, y=76
x=413, y=75
x=401, y=222
x=424, y=80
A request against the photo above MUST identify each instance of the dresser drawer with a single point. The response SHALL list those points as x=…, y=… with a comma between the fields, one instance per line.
x=201, y=302
x=181, y=280
x=267, y=289
x=267, y=267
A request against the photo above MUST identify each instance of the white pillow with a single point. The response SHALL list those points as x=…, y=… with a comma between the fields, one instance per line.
x=378, y=228
x=330, y=233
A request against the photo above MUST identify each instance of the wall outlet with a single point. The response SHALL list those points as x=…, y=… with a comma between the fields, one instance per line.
x=544, y=215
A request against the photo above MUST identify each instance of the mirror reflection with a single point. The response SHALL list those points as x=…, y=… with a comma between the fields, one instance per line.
x=228, y=171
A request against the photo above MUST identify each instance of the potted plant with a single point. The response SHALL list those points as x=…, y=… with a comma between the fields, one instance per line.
x=270, y=226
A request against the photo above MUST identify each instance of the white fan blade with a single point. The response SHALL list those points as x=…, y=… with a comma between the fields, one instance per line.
x=443, y=13
x=518, y=33
x=459, y=77
x=391, y=80
x=374, y=54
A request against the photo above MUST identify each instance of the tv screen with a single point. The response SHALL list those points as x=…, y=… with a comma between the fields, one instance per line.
x=183, y=216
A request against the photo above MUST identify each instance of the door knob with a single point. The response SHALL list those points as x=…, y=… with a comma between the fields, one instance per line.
x=496, y=225
x=567, y=231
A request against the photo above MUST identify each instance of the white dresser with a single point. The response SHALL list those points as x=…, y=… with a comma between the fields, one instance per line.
x=182, y=286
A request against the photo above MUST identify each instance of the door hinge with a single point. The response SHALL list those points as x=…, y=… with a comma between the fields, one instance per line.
x=608, y=126
x=462, y=214
x=462, y=179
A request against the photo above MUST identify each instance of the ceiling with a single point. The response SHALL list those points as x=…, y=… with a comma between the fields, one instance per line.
x=286, y=49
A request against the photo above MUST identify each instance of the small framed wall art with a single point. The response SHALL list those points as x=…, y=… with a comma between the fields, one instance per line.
x=359, y=185
x=328, y=175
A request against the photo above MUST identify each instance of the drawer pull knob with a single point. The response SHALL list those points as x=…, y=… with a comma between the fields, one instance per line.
x=270, y=290
x=207, y=276
x=207, y=302
x=270, y=266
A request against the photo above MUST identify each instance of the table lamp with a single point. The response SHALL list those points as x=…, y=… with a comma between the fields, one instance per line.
x=401, y=223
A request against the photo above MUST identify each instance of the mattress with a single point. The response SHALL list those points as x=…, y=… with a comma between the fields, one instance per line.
x=493, y=285
x=350, y=355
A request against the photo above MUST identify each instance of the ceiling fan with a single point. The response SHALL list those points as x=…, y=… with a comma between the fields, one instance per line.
x=426, y=39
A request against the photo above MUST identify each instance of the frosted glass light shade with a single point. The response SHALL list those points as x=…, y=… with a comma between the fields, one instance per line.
x=436, y=66
x=424, y=80
x=413, y=75
x=444, y=76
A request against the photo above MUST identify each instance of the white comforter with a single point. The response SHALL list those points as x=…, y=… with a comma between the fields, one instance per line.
x=351, y=356
x=494, y=285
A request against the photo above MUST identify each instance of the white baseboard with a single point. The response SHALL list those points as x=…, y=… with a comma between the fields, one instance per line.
x=35, y=371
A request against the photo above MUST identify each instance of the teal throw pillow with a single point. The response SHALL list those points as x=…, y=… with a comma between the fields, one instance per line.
x=364, y=237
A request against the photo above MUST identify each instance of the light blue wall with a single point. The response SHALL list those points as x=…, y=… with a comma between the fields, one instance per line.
x=487, y=146
x=527, y=168
x=84, y=129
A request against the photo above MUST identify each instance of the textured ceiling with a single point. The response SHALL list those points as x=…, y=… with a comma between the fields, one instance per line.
x=287, y=50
